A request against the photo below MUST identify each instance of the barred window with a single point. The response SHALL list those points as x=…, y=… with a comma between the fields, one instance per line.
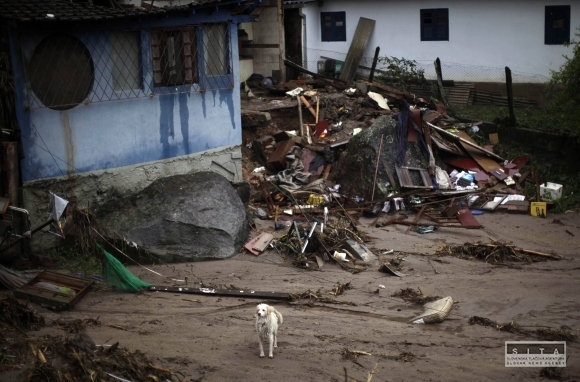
x=215, y=49
x=125, y=60
x=217, y=72
x=174, y=56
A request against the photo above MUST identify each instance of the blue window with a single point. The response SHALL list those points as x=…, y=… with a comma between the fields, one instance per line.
x=557, y=27
x=435, y=24
x=333, y=26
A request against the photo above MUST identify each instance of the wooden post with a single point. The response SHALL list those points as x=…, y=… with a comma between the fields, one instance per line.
x=510, y=95
x=300, y=116
x=377, y=168
x=374, y=66
x=442, y=94
x=10, y=167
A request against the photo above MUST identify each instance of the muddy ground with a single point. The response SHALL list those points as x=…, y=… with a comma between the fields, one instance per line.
x=213, y=339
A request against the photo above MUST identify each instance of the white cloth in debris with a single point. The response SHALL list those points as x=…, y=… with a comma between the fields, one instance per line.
x=443, y=179
x=293, y=177
x=56, y=206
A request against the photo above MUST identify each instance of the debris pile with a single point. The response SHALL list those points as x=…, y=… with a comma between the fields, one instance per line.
x=336, y=154
x=495, y=253
x=72, y=357
x=548, y=334
x=414, y=296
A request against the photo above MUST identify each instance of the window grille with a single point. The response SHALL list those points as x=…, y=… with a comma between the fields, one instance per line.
x=63, y=70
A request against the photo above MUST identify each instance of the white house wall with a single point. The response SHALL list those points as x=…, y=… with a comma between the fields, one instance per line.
x=490, y=33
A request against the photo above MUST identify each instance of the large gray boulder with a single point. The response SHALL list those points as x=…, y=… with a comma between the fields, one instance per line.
x=181, y=218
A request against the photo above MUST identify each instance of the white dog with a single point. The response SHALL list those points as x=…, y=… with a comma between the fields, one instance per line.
x=267, y=321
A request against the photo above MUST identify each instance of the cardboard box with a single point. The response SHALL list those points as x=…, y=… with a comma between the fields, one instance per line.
x=538, y=209
x=551, y=191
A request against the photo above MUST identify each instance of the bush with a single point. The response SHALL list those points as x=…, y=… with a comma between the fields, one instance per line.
x=565, y=88
x=400, y=73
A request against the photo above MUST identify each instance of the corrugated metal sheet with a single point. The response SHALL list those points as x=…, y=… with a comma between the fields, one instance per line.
x=359, y=43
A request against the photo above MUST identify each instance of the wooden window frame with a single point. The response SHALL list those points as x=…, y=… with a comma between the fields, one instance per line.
x=435, y=24
x=333, y=32
x=174, y=55
x=557, y=35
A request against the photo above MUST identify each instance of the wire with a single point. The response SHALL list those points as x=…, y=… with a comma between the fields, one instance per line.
x=46, y=148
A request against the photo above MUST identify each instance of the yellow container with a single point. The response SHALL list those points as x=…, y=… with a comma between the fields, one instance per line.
x=538, y=209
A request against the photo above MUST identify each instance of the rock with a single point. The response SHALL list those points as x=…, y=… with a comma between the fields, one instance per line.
x=181, y=218
x=253, y=118
x=361, y=156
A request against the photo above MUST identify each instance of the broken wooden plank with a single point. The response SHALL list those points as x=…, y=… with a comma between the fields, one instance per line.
x=453, y=136
x=307, y=104
x=467, y=219
x=222, y=292
x=262, y=241
x=359, y=42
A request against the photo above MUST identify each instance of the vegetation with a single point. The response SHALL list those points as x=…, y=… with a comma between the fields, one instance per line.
x=565, y=86
x=69, y=257
x=400, y=72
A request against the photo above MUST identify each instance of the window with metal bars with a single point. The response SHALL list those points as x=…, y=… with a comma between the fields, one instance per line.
x=173, y=52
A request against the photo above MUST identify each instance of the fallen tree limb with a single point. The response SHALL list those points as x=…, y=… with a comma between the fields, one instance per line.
x=526, y=251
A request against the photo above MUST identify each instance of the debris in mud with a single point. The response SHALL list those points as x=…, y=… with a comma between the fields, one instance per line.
x=405, y=356
x=61, y=359
x=434, y=311
x=339, y=288
x=78, y=325
x=554, y=373
x=66, y=358
x=548, y=334
x=352, y=355
x=495, y=252
x=511, y=327
x=19, y=316
x=317, y=296
x=414, y=296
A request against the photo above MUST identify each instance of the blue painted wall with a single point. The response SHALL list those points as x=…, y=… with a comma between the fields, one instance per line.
x=106, y=135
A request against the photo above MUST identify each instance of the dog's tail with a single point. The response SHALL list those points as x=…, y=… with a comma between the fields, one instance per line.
x=279, y=315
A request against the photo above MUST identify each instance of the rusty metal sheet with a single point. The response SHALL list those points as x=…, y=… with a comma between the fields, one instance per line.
x=467, y=219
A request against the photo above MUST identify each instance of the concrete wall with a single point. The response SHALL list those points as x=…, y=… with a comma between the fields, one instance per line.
x=267, y=46
x=492, y=33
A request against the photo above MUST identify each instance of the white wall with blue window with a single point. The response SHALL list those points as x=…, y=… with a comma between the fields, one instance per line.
x=126, y=95
x=525, y=35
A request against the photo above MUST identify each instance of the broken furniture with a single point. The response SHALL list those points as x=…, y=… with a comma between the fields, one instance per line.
x=55, y=290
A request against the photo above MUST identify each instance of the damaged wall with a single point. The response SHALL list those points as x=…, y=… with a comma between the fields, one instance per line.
x=493, y=33
x=266, y=46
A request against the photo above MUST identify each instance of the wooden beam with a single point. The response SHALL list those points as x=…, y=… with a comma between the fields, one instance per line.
x=307, y=104
x=453, y=136
x=222, y=292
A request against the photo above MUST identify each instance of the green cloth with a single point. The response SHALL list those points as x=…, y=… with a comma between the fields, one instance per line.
x=115, y=274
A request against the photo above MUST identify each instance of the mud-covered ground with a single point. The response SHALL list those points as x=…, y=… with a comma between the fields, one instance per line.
x=211, y=338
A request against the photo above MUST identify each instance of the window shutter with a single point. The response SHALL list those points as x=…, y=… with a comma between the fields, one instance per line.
x=187, y=37
x=156, y=58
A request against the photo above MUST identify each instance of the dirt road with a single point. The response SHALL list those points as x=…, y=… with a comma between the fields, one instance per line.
x=213, y=339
